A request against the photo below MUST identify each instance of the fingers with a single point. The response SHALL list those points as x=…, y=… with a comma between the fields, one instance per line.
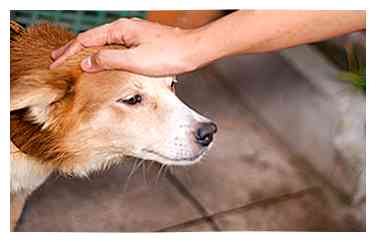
x=122, y=31
x=69, y=50
x=143, y=38
x=95, y=37
x=58, y=52
x=106, y=60
x=131, y=60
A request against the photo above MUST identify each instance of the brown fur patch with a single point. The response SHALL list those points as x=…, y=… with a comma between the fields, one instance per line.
x=31, y=78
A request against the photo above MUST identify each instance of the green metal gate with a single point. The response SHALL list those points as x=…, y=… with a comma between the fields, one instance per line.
x=76, y=21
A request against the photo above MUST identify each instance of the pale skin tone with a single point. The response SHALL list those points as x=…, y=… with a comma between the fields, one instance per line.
x=159, y=50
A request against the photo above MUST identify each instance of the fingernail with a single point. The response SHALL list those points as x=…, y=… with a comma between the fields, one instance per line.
x=86, y=63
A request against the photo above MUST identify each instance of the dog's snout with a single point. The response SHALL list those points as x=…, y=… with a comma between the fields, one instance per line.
x=204, y=134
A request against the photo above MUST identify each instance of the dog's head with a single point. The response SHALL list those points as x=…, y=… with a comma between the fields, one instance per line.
x=84, y=121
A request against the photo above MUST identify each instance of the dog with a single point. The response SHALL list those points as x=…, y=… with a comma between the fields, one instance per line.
x=71, y=122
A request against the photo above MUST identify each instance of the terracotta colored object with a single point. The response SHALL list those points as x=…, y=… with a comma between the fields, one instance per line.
x=185, y=19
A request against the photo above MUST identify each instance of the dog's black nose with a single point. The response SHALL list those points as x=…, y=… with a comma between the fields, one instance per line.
x=204, y=134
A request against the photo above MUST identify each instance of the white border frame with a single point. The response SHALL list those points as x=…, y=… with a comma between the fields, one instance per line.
x=183, y=5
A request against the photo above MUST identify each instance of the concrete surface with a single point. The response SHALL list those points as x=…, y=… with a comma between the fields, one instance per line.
x=251, y=180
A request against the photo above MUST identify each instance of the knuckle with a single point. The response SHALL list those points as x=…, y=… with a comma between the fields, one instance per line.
x=115, y=25
x=136, y=18
x=98, y=58
x=121, y=21
x=118, y=24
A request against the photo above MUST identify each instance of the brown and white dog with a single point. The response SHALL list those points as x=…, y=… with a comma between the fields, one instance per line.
x=73, y=122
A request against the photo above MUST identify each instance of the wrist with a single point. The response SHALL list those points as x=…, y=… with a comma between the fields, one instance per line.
x=198, y=49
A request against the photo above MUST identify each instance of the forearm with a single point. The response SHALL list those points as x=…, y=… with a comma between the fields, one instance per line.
x=261, y=31
x=174, y=51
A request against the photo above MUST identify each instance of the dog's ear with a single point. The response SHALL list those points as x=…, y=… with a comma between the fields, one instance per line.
x=38, y=90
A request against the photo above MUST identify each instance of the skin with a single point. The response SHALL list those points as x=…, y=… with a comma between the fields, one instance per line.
x=158, y=50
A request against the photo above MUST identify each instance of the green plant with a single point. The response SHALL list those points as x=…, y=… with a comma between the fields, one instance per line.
x=356, y=72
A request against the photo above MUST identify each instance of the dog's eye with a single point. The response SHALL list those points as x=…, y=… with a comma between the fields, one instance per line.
x=132, y=100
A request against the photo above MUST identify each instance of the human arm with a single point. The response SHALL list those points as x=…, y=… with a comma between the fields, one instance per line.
x=159, y=50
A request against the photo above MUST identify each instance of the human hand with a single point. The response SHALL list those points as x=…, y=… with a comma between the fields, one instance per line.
x=154, y=49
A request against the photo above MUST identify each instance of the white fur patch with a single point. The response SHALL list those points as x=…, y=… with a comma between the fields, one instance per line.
x=39, y=114
x=26, y=173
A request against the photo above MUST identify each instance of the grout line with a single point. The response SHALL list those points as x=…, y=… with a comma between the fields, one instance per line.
x=244, y=208
x=296, y=159
x=189, y=196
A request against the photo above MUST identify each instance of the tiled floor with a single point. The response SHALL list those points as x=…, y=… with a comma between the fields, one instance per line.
x=248, y=181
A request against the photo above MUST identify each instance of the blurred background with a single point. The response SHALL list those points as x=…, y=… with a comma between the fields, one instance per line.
x=289, y=154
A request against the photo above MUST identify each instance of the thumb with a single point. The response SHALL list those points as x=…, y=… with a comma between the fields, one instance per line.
x=106, y=60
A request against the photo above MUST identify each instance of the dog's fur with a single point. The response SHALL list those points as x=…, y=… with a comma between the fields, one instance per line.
x=72, y=122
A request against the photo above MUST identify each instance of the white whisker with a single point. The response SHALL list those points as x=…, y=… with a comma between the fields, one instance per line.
x=159, y=173
x=135, y=166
